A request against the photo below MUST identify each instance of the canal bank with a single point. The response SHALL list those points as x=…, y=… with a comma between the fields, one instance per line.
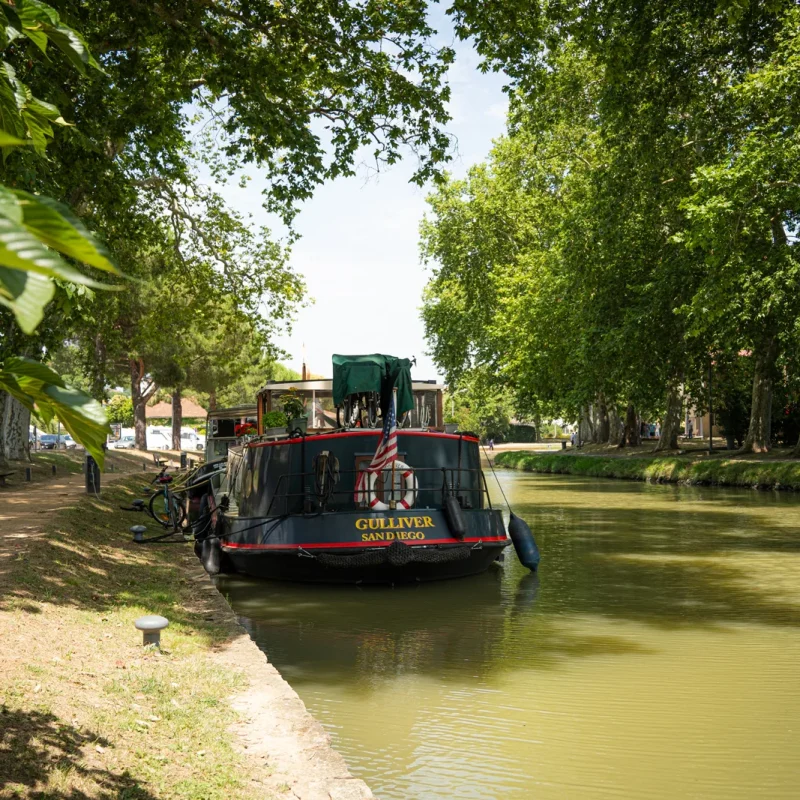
x=698, y=470
x=85, y=711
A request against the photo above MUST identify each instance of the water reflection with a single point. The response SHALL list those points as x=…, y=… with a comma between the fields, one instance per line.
x=653, y=656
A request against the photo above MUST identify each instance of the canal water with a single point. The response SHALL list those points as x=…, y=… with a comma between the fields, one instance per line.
x=655, y=655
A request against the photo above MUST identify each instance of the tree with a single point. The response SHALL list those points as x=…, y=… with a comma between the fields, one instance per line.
x=639, y=146
x=33, y=231
x=120, y=410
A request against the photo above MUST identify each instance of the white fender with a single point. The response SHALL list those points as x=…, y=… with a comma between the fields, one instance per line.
x=409, y=484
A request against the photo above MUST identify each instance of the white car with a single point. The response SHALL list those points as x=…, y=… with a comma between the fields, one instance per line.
x=192, y=441
x=123, y=443
x=156, y=440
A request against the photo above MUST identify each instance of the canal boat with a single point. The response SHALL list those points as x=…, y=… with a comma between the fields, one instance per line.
x=364, y=485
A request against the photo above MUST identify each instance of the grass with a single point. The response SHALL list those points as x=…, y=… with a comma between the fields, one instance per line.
x=718, y=471
x=85, y=710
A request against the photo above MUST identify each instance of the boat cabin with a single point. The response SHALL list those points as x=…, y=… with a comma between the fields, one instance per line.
x=323, y=416
x=225, y=427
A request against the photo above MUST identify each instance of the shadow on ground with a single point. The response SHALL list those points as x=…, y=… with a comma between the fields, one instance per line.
x=36, y=748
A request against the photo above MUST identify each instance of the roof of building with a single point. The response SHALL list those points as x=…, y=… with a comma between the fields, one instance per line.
x=162, y=410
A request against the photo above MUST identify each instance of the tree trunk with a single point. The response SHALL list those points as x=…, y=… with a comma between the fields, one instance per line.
x=139, y=398
x=537, y=428
x=613, y=426
x=177, y=418
x=630, y=435
x=5, y=397
x=603, y=424
x=16, y=419
x=212, y=400
x=757, y=439
x=672, y=420
x=99, y=369
x=585, y=426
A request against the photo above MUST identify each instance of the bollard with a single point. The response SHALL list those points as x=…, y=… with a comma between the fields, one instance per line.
x=144, y=467
x=183, y=460
x=138, y=532
x=92, y=476
x=54, y=469
x=191, y=463
x=151, y=627
x=27, y=473
x=563, y=445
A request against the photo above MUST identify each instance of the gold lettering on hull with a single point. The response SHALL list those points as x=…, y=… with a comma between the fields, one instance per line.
x=389, y=529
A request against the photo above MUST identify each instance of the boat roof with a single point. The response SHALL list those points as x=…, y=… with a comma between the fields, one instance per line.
x=234, y=411
x=326, y=385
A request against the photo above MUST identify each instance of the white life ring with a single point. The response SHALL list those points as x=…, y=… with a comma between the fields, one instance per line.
x=409, y=484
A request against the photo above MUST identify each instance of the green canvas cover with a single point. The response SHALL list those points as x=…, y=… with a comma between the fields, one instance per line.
x=373, y=373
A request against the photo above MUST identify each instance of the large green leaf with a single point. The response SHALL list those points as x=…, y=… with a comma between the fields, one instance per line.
x=43, y=391
x=55, y=225
x=28, y=368
x=73, y=46
x=7, y=140
x=21, y=249
x=26, y=294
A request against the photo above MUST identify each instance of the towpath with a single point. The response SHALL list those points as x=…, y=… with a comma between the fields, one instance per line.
x=86, y=712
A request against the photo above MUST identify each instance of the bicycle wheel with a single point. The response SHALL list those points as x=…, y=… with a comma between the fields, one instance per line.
x=166, y=509
x=177, y=512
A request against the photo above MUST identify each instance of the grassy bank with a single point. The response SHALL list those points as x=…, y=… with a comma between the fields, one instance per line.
x=718, y=471
x=85, y=711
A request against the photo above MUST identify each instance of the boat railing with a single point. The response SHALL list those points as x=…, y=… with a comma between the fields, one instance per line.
x=461, y=482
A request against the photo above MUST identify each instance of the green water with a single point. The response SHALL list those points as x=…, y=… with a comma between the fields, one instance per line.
x=655, y=655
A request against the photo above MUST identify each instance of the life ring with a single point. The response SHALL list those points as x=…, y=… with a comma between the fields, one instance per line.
x=409, y=484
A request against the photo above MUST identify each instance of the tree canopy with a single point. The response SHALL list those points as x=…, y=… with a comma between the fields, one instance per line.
x=637, y=224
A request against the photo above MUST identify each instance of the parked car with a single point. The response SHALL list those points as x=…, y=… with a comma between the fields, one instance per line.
x=123, y=443
x=190, y=440
x=48, y=441
x=69, y=442
x=156, y=440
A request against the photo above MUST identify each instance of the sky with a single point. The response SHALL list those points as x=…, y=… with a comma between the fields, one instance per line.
x=359, y=245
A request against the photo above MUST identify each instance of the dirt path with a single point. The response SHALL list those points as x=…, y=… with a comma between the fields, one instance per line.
x=50, y=625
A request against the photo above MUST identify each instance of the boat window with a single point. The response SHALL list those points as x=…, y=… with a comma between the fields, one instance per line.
x=318, y=405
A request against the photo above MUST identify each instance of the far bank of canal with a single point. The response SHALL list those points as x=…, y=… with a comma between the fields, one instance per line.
x=654, y=656
x=692, y=468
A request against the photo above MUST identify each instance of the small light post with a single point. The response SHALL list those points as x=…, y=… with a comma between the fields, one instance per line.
x=138, y=532
x=151, y=627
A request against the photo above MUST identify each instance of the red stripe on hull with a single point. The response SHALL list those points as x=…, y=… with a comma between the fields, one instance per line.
x=363, y=545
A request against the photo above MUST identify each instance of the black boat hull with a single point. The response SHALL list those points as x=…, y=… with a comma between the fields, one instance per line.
x=362, y=547
x=295, y=567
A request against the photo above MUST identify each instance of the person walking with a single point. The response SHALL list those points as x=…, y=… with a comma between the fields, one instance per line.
x=491, y=444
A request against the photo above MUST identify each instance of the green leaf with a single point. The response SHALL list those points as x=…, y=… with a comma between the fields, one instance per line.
x=27, y=367
x=20, y=249
x=34, y=12
x=7, y=140
x=55, y=225
x=26, y=294
x=82, y=416
x=42, y=391
x=9, y=205
x=74, y=47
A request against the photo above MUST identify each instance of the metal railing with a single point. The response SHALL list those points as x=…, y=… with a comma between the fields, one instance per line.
x=323, y=498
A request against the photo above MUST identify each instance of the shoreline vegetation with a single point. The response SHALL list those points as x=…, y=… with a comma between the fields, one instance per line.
x=689, y=469
x=86, y=711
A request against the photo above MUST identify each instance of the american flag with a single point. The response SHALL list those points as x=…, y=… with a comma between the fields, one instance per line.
x=386, y=452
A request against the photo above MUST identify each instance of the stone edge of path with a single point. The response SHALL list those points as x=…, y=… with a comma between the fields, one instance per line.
x=275, y=724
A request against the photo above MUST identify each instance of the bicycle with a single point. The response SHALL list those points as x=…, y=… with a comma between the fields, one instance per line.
x=165, y=507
